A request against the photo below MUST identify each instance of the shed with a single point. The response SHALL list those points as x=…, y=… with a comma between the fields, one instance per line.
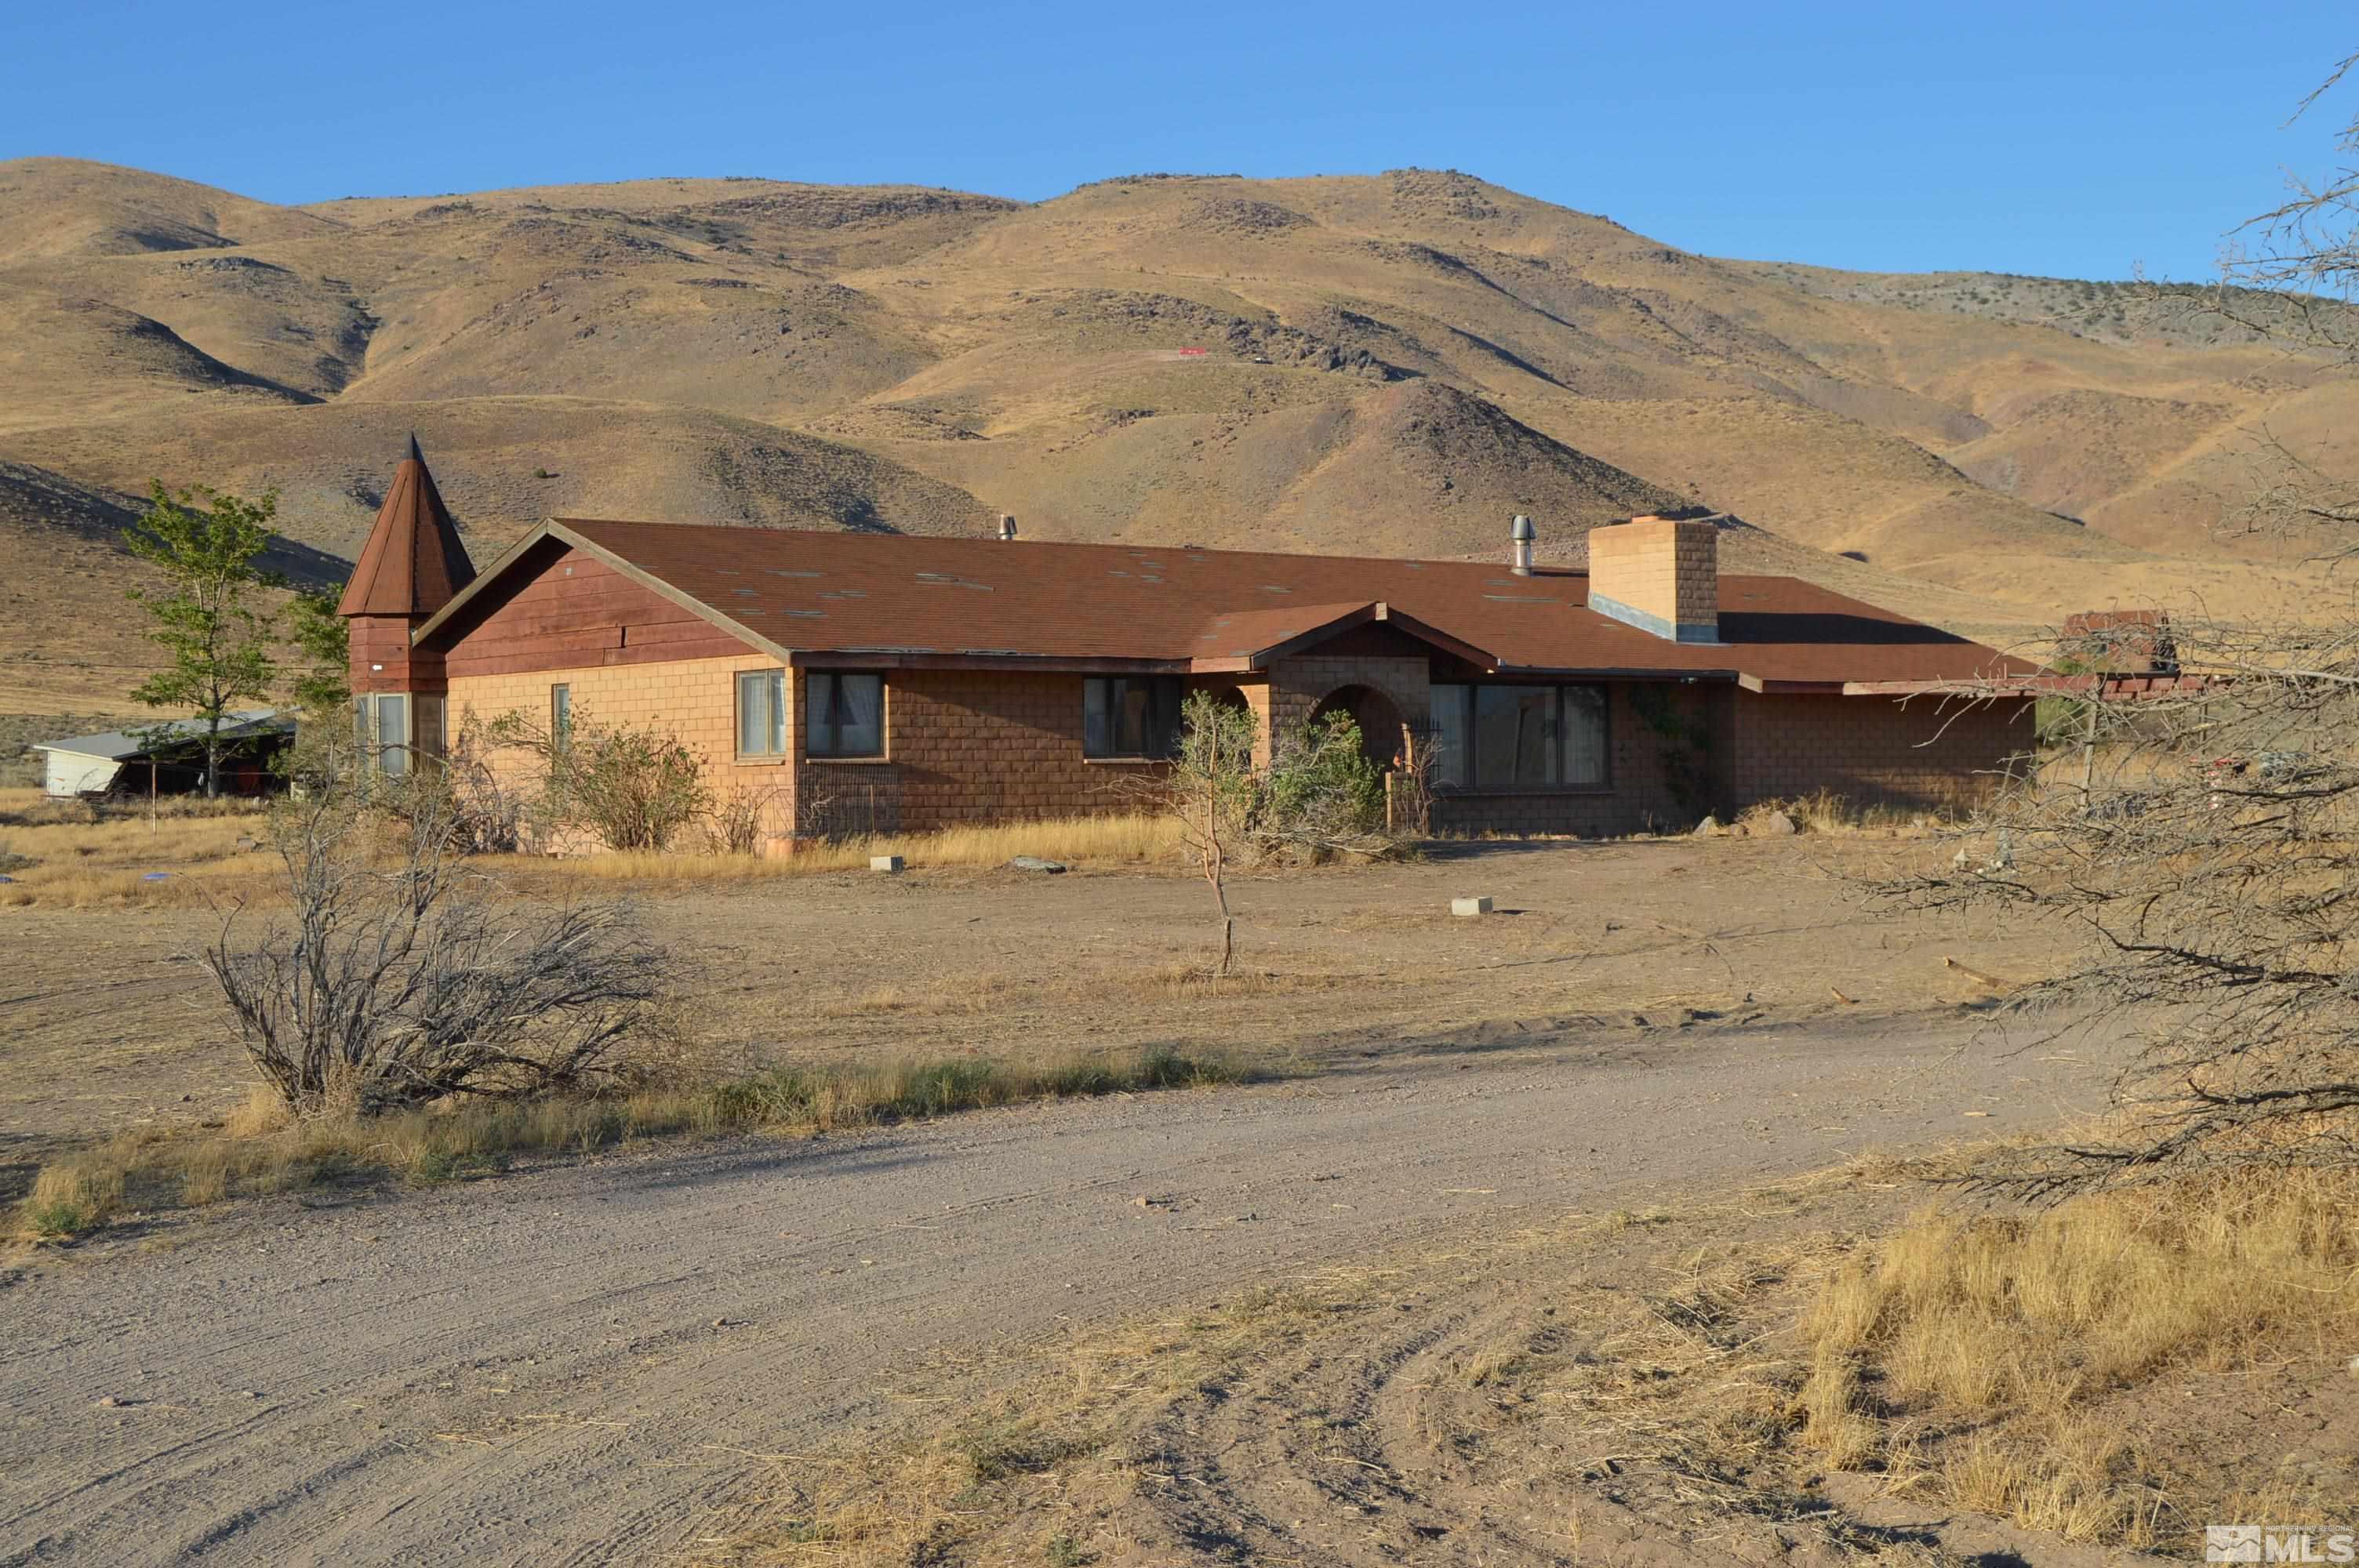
x=93, y=764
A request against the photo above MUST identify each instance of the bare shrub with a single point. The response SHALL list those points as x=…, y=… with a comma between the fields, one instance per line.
x=484, y=810
x=2202, y=858
x=737, y=821
x=392, y=985
x=2205, y=839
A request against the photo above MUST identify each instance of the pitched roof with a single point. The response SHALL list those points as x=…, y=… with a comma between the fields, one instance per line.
x=413, y=562
x=115, y=745
x=798, y=592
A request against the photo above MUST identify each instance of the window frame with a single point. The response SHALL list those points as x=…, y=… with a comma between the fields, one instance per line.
x=813, y=709
x=1159, y=726
x=369, y=742
x=1470, y=781
x=560, y=715
x=772, y=681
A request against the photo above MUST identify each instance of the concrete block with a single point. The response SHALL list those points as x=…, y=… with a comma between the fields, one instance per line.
x=1470, y=906
x=885, y=863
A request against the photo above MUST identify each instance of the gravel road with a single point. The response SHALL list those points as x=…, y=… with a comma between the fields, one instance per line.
x=578, y=1364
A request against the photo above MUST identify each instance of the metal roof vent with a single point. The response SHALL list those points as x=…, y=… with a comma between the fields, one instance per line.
x=1523, y=534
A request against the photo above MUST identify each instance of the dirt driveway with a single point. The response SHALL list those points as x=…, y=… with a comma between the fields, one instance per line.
x=581, y=1363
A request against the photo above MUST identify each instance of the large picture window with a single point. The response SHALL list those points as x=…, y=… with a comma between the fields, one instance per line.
x=1130, y=715
x=1520, y=737
x=762, y=713
x=845, y=714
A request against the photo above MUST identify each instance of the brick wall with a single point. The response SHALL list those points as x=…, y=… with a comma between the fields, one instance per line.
x=1298, y=686
x=1872, y=751
x=968, y=746
x=693, y=699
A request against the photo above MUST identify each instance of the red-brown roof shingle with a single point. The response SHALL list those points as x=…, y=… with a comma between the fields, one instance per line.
x=845, y=593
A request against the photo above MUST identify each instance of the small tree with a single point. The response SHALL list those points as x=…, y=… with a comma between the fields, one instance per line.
x=209, y=619
x=1318, y=796
x=320, y=682
x=1210, y=794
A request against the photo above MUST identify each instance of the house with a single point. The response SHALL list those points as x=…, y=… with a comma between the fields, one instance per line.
x=2122, y=641
x=863, y=681
x=168, y=759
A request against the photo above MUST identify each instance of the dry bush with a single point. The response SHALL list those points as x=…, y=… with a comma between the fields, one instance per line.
x=393, y=986
x=2209, y=849
x=2201, y=858
x=626, y=786
x=738, y=821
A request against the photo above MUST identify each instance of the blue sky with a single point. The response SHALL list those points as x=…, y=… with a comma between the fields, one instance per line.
x=2079, y=139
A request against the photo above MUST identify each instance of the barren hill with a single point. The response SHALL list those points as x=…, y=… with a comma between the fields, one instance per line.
x=1392, y=362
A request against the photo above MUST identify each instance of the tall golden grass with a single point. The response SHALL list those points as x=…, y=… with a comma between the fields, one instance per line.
x=2015, y=1326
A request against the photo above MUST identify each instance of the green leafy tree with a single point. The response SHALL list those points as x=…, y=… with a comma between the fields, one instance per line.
x=318, y=680
x=321, y=679
x=213, y=616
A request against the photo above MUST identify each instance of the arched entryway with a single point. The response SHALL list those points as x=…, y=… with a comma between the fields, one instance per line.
x=1383, y=733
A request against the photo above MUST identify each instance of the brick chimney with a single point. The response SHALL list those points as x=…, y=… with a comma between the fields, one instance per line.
x=1659, y=575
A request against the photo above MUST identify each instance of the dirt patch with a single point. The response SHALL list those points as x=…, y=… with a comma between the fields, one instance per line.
x=107, y=1022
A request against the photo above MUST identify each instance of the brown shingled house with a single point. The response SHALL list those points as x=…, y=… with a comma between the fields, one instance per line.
x=876, y=681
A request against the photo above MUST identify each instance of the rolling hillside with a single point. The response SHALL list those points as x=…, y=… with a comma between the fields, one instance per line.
x=1382, y=363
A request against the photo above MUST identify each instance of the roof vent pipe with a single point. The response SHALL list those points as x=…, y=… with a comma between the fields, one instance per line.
x=1006, y=527
x=1523, y=535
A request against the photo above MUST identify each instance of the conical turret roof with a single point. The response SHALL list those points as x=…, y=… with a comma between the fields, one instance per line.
x=413, y=562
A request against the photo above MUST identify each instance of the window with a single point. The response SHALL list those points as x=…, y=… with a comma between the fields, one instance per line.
x=762, y=713
x=560, y=716
x=1519, y=736
x=844, y=714
x=387, y=746
x=426, y=725
x=1130, y=715
x=391, y=728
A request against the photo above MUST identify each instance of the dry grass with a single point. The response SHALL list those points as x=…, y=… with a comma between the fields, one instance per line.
x=1824, y=811
x=1126, y=840
x=2010, y=1331
x=1728, y=1356
x=260, y=1149
x=76, y=856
